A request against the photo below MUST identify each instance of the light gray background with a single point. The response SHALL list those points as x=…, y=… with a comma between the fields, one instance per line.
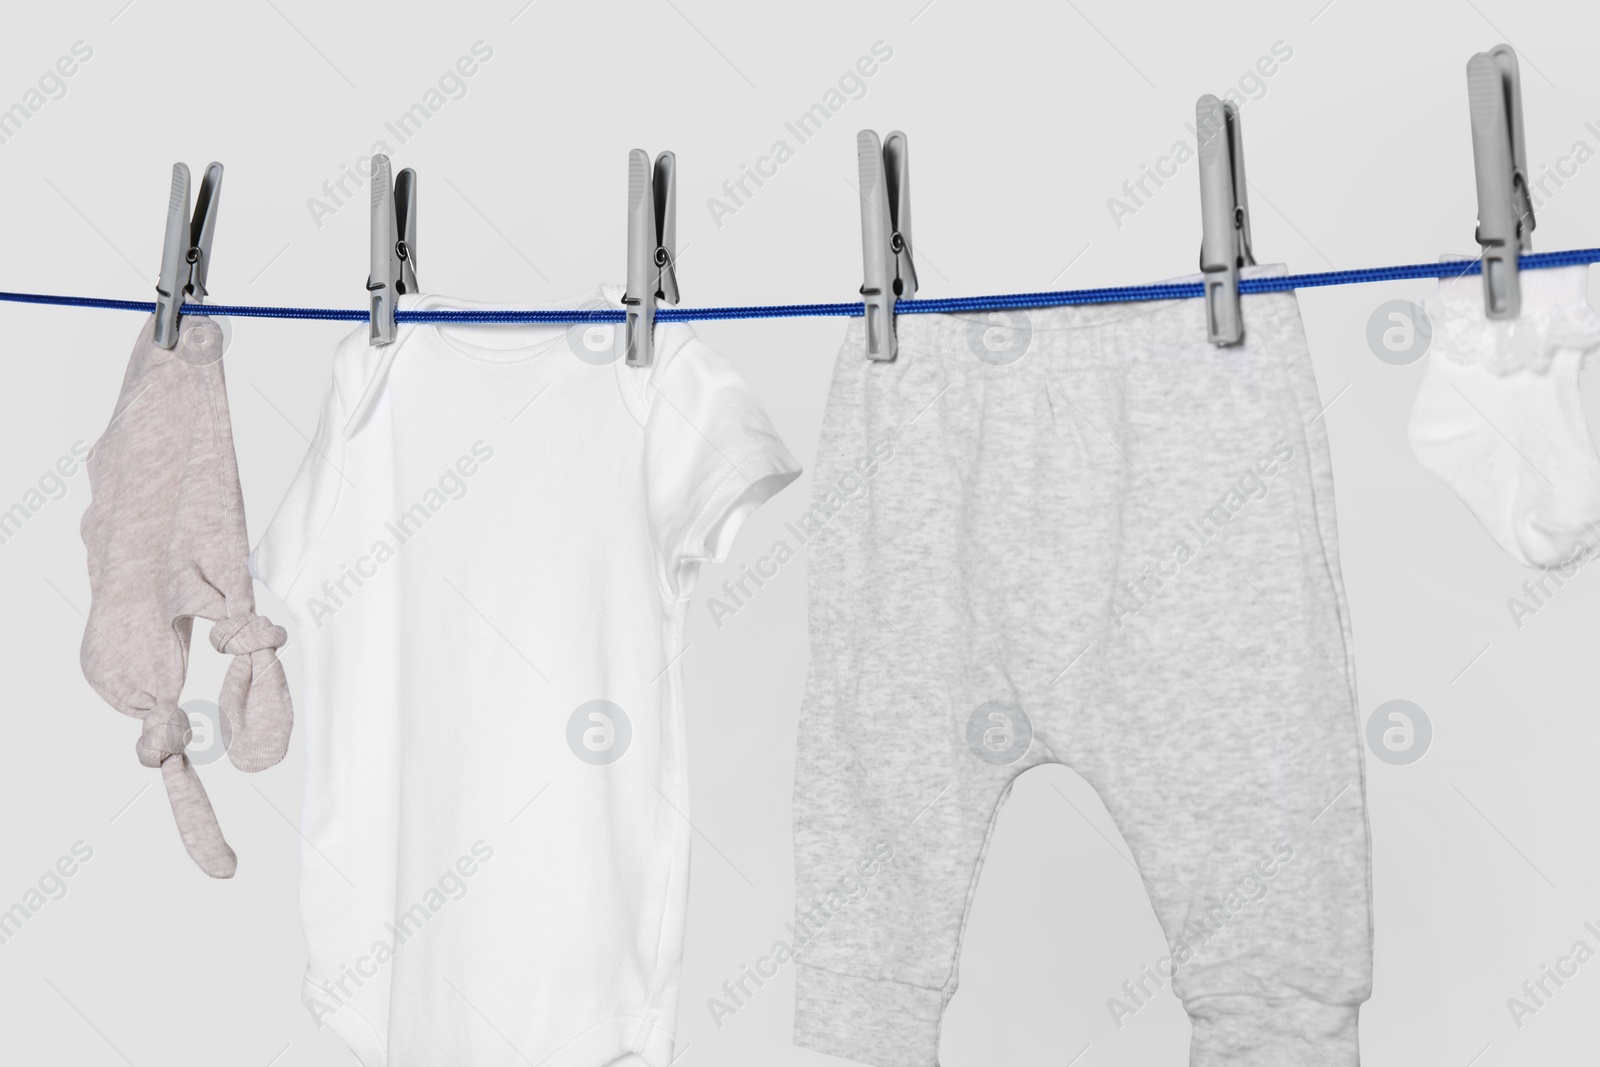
x=1024, y=120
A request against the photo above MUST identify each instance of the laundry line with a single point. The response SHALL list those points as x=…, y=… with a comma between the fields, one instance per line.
x=942, y=306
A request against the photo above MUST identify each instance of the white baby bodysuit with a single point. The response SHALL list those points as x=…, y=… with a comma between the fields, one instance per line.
x=488, y=552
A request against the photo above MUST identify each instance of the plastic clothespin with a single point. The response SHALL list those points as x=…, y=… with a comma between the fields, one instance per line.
x=885, y=236
x=1500, y=162
x=652, y=240
x=185, y=256
x=394, y=247
x=1224, y=217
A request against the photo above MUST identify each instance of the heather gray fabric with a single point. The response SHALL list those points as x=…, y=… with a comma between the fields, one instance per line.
x=1129, y=535
x=166, y=538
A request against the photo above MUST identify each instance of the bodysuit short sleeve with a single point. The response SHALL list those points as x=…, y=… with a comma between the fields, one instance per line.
x=712, y=458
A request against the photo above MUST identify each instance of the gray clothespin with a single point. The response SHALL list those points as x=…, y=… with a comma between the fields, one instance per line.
x=885, y=236
x=186, y=251
x=394, y=247
x=1500, y=161
x=652, y=246
x=1224, y=216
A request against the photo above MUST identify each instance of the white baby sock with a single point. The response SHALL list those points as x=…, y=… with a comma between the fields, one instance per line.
x=1499, y=419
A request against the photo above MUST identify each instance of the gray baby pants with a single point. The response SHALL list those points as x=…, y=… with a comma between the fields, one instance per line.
x=1083, y=536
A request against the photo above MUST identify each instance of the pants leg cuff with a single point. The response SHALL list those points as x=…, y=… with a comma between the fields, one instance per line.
x=1245, y=1030
x=871, y=1021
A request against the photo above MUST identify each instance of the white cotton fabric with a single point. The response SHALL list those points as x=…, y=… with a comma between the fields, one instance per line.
x=507, y=533
x=1498, y=416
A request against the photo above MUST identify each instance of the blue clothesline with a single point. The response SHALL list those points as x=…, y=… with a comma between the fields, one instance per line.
x=949, y=305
